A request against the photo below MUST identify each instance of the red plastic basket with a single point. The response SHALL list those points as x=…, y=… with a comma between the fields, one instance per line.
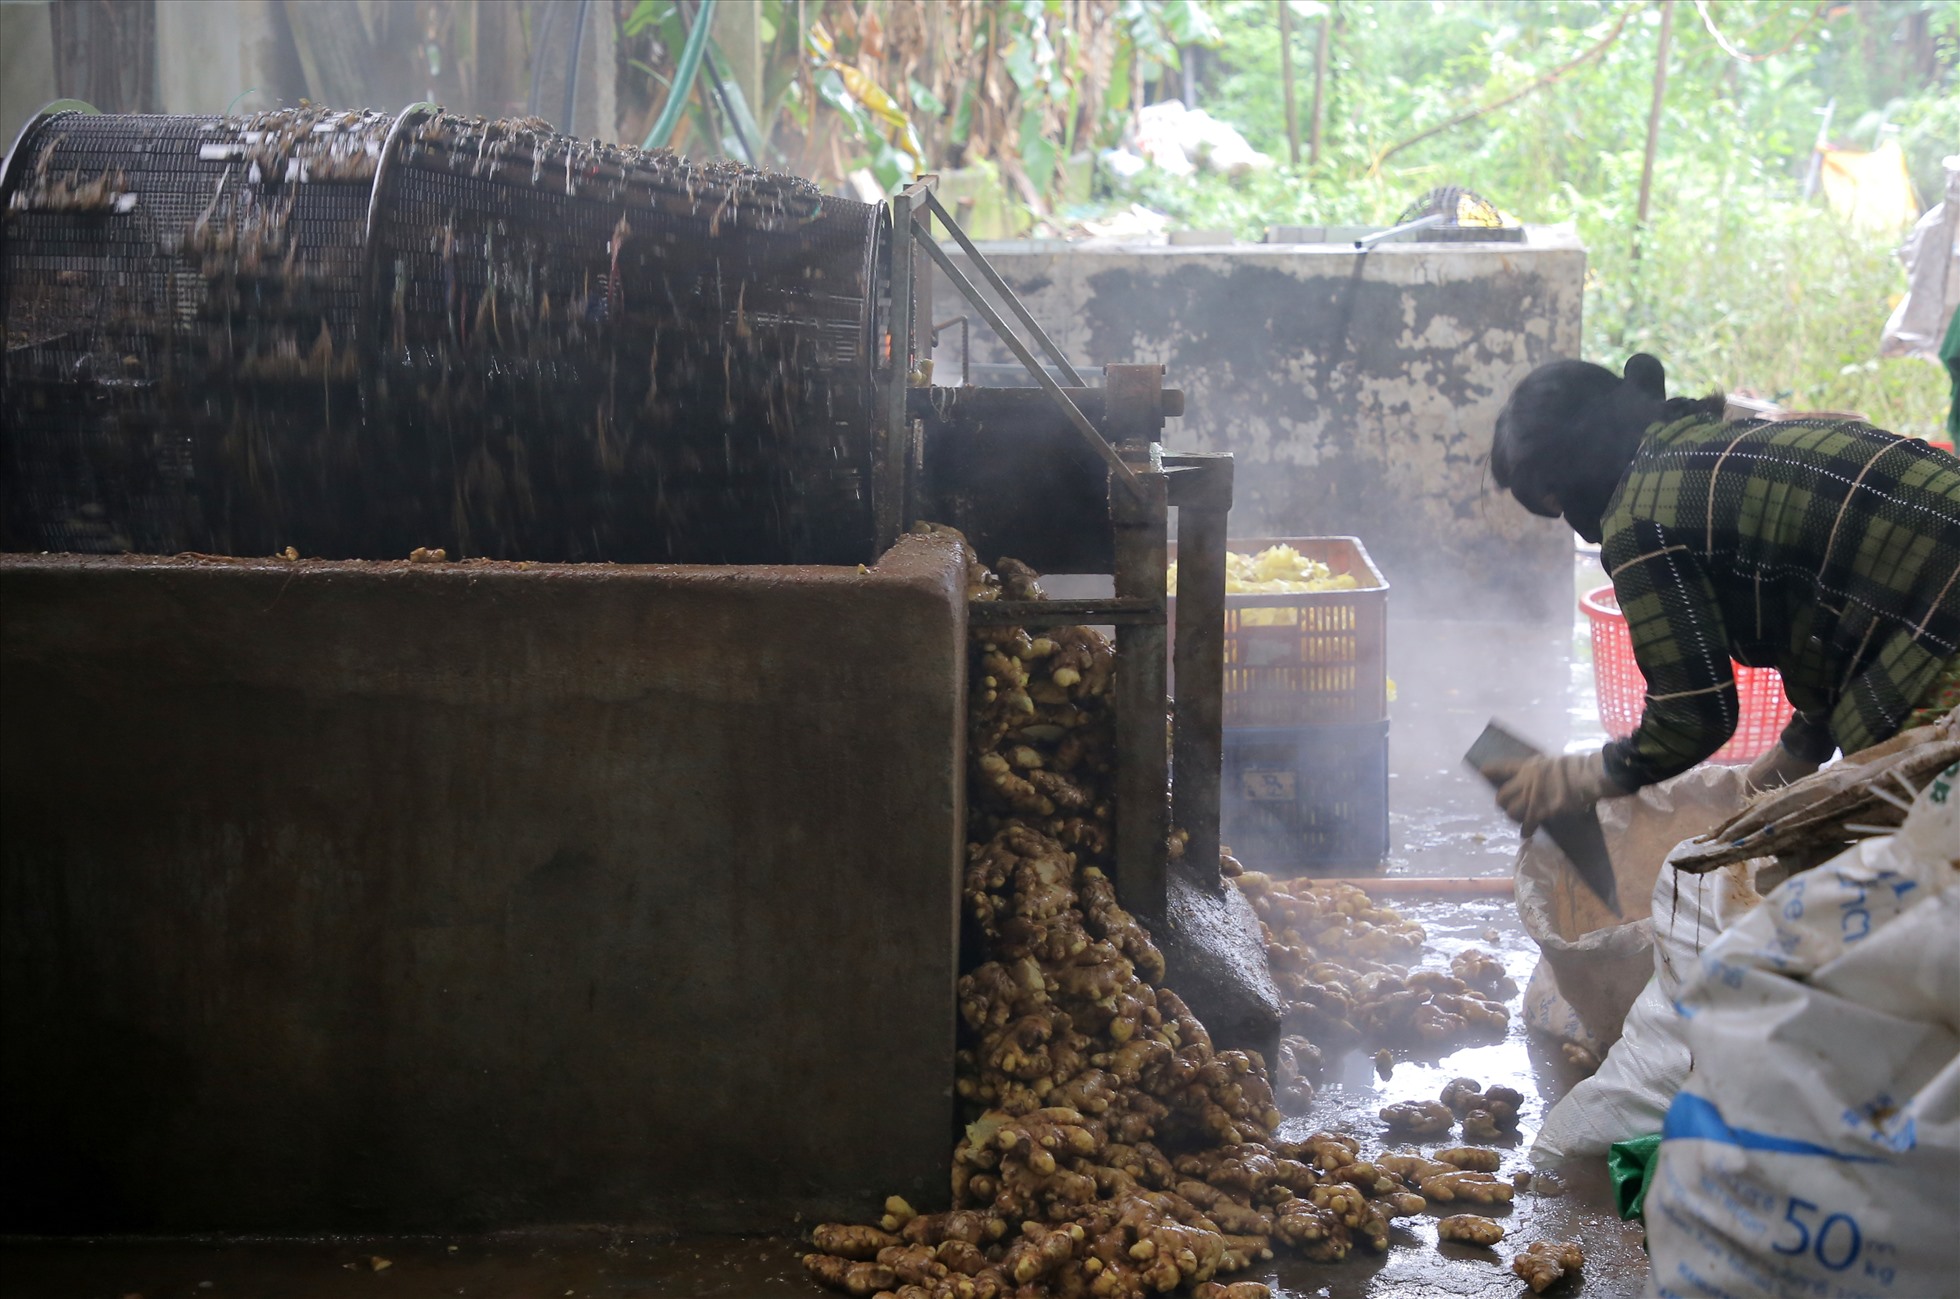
x=1622, y=690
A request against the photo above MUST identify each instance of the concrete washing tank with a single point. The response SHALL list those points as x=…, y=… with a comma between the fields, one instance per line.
x=346, y=896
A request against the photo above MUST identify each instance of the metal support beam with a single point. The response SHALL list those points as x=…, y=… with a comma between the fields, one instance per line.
x=1201, y=491
x=1065, y=613
x=922, y=313
x=1143, y=765
x=894, y=441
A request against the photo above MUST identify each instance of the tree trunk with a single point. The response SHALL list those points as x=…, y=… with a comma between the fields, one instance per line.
x=1647, y=162
x=105, y=53
x=1654, y=121
x=1320, y=82
x=1286, y=82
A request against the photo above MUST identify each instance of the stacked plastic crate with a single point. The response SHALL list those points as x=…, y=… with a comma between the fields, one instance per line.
x=1305, y=783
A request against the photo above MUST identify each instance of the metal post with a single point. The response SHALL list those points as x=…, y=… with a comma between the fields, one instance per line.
x=893, y=441
x=1143, y=754
x=1201, y=490
x=922, y=339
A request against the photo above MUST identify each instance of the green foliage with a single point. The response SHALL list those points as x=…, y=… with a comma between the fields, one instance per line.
x=1771, y=293
x=897, y=86
x=1739, y=282
x=1929, y=130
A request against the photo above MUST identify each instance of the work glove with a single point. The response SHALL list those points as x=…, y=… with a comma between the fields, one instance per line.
x=1776, y=768
x=1538, y=788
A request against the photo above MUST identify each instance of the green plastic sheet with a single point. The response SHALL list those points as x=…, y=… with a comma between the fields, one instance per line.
x=1631, y=1166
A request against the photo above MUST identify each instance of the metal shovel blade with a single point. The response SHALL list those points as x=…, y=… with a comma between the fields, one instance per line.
x=1577, y=834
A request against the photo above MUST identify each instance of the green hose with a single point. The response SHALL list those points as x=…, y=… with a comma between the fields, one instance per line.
x=690, y=64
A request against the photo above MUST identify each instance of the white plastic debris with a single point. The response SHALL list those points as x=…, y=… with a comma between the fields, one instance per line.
x=1136, y=224
x=1180, y=141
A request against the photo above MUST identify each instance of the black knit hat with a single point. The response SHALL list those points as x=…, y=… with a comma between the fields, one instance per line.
x=1567, y=434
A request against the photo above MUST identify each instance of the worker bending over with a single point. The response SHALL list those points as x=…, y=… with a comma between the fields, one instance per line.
x=1824, y=548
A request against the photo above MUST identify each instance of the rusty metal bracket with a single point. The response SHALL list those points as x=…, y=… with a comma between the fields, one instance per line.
x=375, y=326
x=1133, y=408
x=384, y=168
x=1132, y=405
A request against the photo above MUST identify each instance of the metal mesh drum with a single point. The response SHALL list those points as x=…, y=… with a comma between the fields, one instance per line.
x=357, y=333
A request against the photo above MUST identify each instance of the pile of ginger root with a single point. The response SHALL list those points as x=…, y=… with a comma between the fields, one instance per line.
x=1112, y=1151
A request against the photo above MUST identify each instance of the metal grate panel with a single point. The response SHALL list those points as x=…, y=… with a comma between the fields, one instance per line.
x=357, y=334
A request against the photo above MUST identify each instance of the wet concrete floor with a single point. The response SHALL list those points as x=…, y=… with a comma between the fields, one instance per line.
x=1451, y=678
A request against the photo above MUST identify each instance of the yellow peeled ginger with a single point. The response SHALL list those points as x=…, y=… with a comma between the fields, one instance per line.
x=1277, y=570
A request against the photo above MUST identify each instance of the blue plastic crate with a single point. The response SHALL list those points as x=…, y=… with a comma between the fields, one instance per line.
x=1296, y=798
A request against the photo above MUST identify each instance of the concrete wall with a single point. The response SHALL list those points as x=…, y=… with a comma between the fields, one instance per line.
x=1357, y=393
x=340, y=896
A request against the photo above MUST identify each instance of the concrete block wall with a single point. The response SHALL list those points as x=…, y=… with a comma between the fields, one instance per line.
x=1357, y=393
x=351, y=896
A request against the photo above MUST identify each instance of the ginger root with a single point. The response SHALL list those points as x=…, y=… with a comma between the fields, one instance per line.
x=1480, y=970
x=1299, y=1063
x=914, y=1264
x=1402, y=1204
x=1412, y=1169
x=898, y=1212
x=1040, y=1251
x=1544, y=1262
x=1077, y=1072
x=967, y=1225
x=849, y=1240
x=1418, y=1118
x=1462, y=1095
x=1470, y=1229
x=853, y=1276
x=1503, y=1104
x=1326, y=1151
x=1233, y=1290
x=1476, y=1158
x=1460, y=1184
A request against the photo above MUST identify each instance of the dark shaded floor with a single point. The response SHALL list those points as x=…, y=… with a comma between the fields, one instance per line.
x=640, y=1267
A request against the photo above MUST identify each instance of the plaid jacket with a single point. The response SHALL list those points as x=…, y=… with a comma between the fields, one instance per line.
x=1826, y=549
